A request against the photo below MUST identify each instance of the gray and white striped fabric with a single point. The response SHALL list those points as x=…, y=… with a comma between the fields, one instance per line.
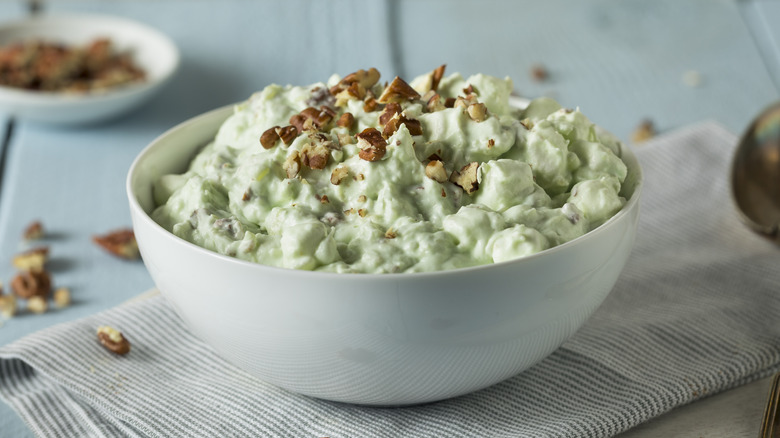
x=694, y=313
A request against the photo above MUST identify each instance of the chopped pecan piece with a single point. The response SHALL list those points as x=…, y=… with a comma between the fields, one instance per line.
x=353, y=91
x=370, y=105
x=449, y=102
x=328, y=110
x=298, y=121
x=436, y=76
x=338, y=175
x=344, y=139
x=435, y=104
x=469, y=90
x=464, y=102
x=32, y=260
x=34, y=231
x=390, y=234
x=431, y=82
x=362, y=212
x=539, y=73
x=491, y=143
x=292, y=165
x=113, y=340
x=435, y=171
x=315, y=155
x=37, y=304
x=362, y=198
x=287, y=134
x=398, y=91
x=7, y=306
x=346, y=120
x=355, y=85
x=413, y=125
x=62, y=297
x=427, y=96
x=31, y=284
x=120, y=243
x=366, y=78
x=391, y=109
x=466, y=178
x=247, y=195
x=270, y=137
x=313, y=118
x=477, y=112
x=645, y=131
x=527, y=124
x=372, y=145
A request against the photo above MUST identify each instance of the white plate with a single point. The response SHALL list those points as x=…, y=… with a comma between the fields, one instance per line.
x=154, y=52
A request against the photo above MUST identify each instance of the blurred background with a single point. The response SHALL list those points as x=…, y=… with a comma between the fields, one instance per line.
x=621, y=62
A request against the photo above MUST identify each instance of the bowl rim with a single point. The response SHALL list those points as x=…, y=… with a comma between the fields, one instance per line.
x=58, y=98
x=631, y=204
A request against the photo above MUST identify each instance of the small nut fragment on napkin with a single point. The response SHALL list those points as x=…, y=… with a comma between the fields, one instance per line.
x=113, y=340
x=120, y=243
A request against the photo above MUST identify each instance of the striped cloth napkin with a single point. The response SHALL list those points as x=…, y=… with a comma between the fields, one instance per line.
x=694, y=313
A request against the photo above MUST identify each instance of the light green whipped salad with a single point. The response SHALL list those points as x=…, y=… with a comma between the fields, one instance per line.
x=459, y=178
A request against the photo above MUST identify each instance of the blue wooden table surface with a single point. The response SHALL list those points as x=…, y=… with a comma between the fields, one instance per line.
x=619, y=61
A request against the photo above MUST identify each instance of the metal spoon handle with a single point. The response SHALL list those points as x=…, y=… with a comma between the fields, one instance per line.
x=770, y=427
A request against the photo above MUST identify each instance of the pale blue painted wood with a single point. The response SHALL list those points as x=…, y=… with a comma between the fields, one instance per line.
x=762, y=16
x=12, y=10
x=619, y=60
x=10, y=424
x=9, y=11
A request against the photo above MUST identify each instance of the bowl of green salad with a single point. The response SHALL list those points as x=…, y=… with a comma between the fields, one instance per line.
x=385, y=242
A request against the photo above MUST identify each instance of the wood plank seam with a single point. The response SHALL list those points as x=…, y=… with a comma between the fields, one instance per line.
x=759, y=33
x=392, y=11
x=4, y=147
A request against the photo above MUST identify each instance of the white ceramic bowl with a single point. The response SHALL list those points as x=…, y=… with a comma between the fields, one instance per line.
x=377, y=339
x=152, y=51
